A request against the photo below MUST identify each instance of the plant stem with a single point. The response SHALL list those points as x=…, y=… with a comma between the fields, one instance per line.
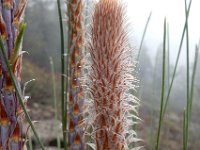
x=184, y=131
x=176, y=64
x=54, y=100
x=63, y=88
x=163, y=87
x=30, y=143
x=193, y=78
x=18, y=93
x=186, y=134
x=143, y=35
x=168, y=57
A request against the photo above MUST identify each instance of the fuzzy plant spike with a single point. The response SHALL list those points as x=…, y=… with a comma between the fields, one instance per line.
x=12, y=28
x=75, y=90
x=110, y=82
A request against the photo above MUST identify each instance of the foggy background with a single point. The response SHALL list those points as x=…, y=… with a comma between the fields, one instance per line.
x=42, y=40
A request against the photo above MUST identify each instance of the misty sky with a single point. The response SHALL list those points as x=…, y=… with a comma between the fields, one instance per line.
x=174, y=10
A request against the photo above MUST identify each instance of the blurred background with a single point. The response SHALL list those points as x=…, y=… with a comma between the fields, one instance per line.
x=42, y=41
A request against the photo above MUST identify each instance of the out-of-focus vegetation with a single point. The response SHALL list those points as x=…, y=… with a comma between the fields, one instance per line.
x=40, y=90
x=150, y=81
x=41, y=41
x=42, y=34
x=150, y=89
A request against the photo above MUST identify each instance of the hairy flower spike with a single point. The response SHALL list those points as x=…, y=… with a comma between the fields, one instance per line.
x=110, y=78
x=75, y=99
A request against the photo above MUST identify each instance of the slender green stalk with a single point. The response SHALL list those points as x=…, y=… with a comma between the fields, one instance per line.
x=193, y=77
x=30, y=143
x=186, y=134
x=63, y=87
x=143, y=35
x=18, y=93
x=187, y=112
x=163, y=88
x=152, y=127
x=168, y=71
x=176, y=64
x=152, y=139
x=168, y=57
x=184, y=131
x=140, y=49
x=54, y=100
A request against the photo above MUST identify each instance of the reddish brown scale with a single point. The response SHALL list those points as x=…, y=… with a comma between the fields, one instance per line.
x=74, y=1
x=104, y=101
x=77, y=139
x=71, y=125
x=73, y=60
x=114, y=138
x=76, y=110
x=16, y=134
x=70, y=99
x=8, y=4
x=98, y=144
x=3, y=28
x=75, y=53
x=78, y=28
x=106, y=144
x=8, y=84
x=77, y=12
x=4, y=120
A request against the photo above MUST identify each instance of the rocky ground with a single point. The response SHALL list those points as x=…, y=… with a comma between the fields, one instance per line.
x=171, y=134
